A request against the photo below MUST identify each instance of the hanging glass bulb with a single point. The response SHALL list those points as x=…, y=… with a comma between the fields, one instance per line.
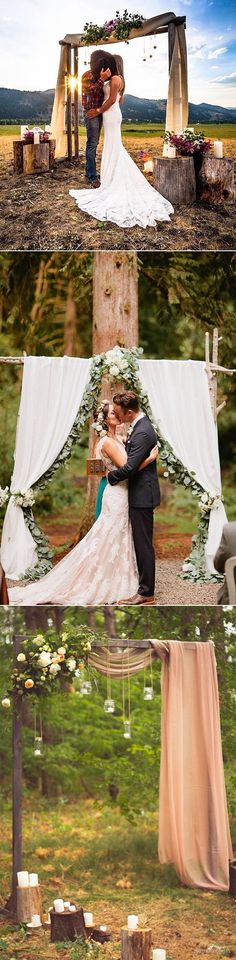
x=109, y=706
x=148, y=693
x=85, y=688
x=127, y=729
x=38, y=741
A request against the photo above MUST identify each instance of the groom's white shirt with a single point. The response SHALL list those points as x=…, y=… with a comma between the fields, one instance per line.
x=139, y=417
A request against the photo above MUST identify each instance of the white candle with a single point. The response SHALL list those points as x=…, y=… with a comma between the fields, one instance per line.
x=66, y=904
x=58, y=906
x=171, y=152
x=33, y=879
x=218, y=149
x=148, y=166
x=47, y=128
x=159, y=955
x=49, y=917
x=72, y=908
x=88, y=919
x=103, y=927
x=132, y=921
x=36, y=138
x=22, y=131
x=23, y=878
x=35, y=920
x=165, y=149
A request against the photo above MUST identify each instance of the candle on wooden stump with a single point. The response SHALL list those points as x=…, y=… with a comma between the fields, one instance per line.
x=103, y=927
x=58, y=906
x=66, y=904
x=171, y=152
x=159, y=954
x=218, y=149
x=148, y=166
x=132, y=921
x=36, y=138
x=33, y=879
x=72, y=908
x=23, y=131
x=88, y=919
x=165, y=149
x=23, y=878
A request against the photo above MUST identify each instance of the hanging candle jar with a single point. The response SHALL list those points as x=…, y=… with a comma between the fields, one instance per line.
x=85, y=688
x=109, y=705
x=38, y=742
x=148, y=693
x=127, y=729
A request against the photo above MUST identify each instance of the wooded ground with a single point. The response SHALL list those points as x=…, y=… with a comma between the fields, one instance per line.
x=90, y=810
x=38, y=213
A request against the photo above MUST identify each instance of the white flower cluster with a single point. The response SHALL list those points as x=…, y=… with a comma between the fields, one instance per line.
x=4, y=496
x=26, y=499
x=98, y=424
x=116, y=363
x=208, y=501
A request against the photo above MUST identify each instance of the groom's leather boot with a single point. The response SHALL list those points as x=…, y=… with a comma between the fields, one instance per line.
x=137, y=600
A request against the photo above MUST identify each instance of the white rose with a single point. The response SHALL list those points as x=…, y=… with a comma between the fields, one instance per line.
x=6, y=702
x=38, y=639
x=21, y=657
x=98, y=428
x=54, y=668
x=71, y=664
x=124, y=364
x=44, y=659
x=204, y=498
x=114, y=370
x=166, y=474
x=61, y=650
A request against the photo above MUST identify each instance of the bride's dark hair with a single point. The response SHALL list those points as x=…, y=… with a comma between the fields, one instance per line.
x=100, y=60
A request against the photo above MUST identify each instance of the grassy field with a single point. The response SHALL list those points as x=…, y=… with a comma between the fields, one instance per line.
x=225, y=131
x=86, y=852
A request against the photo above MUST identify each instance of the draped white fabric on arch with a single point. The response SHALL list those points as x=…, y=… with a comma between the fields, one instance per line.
x=179, y=397
x=52, y=391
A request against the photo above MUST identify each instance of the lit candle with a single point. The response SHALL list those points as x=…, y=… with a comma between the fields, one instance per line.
x=171, y=152
x=33, y=879
x=35, y=920
x=218, y=149
x=132, y=921
x=23, y=878
x=36, y=138
x=159, y=955
x=58, y=906
x=88, y=919
x=103, y=927
x=72, y=908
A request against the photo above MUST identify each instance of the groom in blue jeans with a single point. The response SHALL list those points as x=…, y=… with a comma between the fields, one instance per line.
x=92, y=97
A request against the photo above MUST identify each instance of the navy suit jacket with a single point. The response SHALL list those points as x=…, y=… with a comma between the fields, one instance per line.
x=143, y=485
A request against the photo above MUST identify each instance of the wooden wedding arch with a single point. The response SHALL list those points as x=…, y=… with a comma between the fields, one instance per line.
x=66, y=102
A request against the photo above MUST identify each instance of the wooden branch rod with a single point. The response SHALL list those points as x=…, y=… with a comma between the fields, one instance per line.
x=213, y=366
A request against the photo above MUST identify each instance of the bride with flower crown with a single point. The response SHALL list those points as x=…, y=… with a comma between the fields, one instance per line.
x=125, y=197
x=102, y=567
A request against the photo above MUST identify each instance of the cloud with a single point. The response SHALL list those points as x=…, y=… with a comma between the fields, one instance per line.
x=229, y=79
x=213, y=54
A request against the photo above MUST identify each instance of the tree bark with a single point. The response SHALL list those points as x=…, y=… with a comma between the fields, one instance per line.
x=136, y=944
x=29, y=902
x=70, y=324
x=36, y=158
x=175, y=180
x=215, y=180
x=67, y=926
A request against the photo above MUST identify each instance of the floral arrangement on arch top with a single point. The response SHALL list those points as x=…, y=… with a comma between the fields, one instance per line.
x=45, y=660
x=117, y=29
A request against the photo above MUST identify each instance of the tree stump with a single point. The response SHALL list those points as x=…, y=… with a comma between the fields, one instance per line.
x=29, y=902
x=67, y=926
x=52, y=148
x=18, y=156
x=175, y=180
x=35, y=158
x=136, y=944
x=215, y=180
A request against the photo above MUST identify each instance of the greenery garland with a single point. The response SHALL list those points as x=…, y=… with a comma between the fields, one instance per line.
x=117, y=29
x=43, y=664
x=121, y=363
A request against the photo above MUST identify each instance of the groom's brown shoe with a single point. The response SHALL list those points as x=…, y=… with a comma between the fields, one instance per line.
x=137, y=600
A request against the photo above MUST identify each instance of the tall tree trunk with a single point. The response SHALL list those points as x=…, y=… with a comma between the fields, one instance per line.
x=115, y=320
x=70, y=324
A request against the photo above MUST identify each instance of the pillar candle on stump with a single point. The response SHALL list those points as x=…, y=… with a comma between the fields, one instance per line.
x=218, y=149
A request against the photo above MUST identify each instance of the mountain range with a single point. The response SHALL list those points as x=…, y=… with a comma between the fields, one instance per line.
x=35, y=106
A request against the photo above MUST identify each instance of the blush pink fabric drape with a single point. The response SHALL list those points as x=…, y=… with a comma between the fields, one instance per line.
x=193, y=826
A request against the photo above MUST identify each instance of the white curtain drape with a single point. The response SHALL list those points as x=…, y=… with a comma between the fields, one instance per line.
x=177, y=100
x=179, y=397
x=52, y=391
x=58, y=111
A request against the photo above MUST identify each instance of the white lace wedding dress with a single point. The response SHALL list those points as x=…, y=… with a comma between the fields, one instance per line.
x=125, y=197
x=101, y=568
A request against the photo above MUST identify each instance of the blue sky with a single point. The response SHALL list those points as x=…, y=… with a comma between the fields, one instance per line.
x=31, y=29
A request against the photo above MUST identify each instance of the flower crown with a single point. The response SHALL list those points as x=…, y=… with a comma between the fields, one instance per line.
x=99, y=424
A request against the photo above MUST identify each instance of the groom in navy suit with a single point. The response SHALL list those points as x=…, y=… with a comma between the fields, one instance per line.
x=143, y=490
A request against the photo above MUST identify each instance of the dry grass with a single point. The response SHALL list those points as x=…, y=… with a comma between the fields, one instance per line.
x=38, y=213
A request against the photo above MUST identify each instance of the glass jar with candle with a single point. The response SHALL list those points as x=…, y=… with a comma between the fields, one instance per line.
x=127, y=729
x=148, y=693
x=109, y=706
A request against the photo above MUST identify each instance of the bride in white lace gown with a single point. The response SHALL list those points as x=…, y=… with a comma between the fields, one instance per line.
x=102, y=567
x=125, y=197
